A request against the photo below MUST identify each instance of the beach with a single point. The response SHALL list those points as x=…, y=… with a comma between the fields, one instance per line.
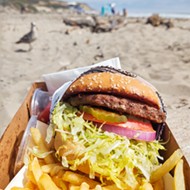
x=158, y=54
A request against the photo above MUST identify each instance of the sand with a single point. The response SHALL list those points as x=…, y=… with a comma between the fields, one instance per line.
x=160, y=55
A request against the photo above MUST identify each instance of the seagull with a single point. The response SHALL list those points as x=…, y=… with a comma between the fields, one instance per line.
x=29, y=37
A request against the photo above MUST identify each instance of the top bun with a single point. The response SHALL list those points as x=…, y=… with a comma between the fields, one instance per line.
x=115, y=82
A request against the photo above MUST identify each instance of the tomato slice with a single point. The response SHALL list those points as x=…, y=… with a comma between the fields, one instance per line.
x=132, y=129
x=44, y=115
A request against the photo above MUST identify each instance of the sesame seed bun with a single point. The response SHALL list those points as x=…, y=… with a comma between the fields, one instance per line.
x=115, y=82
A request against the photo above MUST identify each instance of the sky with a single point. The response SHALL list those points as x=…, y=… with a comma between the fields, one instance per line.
x=144, y=6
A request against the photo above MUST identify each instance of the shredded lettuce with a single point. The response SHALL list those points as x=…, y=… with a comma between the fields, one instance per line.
x=36, y=152
x=126, y=162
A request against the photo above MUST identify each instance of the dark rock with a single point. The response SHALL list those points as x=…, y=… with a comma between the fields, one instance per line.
x=154, y=20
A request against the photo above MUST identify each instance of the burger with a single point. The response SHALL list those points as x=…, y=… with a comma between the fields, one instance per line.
x=108, y=125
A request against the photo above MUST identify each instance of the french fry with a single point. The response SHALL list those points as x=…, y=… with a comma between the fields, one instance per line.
x=30, y=176
x=77, y=179
x=98, y=187
x=31, y=185
x=59, y=182
x=74, y=187
x=55, y=170
x=46, y=183
x=167, y=166
x=146, y=186
x=158, y=185
x=168, y=181
x=110, y=187
x=84, y=186
x=36, y=169
x=48, y=167
x=40, y=142
x=179, y=181
x=19, y=188
x=60, y=173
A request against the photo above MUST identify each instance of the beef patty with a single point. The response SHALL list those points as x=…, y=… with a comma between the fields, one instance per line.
x=120, y=105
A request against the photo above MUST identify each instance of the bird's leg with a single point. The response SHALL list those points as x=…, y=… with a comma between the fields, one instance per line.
x=30, y=47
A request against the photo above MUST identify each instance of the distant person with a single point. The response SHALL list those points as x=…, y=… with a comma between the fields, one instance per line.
x=102, y=11
x=124, y=12
x=112, y=6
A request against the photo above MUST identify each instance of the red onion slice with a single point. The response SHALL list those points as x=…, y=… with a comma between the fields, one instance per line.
x=132, y=129
x=131, y=133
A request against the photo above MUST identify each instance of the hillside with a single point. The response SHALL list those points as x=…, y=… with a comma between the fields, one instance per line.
x=43, y=5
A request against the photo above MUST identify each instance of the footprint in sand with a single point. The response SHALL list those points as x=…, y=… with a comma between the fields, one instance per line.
x=159, y=75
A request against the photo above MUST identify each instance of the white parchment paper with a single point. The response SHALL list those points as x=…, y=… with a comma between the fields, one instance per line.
x=57, y=83
x=56, y=80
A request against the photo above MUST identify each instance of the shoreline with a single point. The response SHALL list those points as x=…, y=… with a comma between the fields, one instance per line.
x=163, y=15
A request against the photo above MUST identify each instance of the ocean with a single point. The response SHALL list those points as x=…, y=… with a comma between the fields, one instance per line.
x=170, y=8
